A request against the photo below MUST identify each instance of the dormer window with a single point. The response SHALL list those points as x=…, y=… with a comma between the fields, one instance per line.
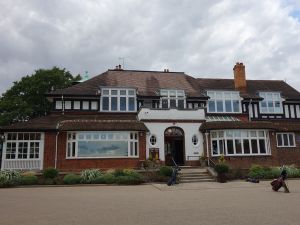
x=172, y=99
x=224, y=102
x=118, y=99
x=271, y=102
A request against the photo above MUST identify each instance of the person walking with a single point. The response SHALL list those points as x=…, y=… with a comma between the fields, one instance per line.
x=283, y=176
x=280, y=182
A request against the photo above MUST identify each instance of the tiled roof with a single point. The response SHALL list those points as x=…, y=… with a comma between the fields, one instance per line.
x=148, y=83
x=109, y=122
x=235, y=125
x=279, y=126
x=253, y=87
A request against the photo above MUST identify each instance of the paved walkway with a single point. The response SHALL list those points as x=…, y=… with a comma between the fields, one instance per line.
x=209, y=203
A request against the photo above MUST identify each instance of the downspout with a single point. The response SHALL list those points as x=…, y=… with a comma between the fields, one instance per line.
x=56, y=145
x=207, y=152
x=63, y=104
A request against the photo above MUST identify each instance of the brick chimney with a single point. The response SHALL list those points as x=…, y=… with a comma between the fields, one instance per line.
x=240, y=77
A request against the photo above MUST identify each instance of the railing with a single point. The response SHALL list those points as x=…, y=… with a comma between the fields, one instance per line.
x=211, y=162
x=22, y=164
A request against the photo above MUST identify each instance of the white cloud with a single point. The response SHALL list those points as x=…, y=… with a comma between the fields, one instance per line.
x=202, y=38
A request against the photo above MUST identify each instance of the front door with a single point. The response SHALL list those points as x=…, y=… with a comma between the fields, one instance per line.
x=174, y=146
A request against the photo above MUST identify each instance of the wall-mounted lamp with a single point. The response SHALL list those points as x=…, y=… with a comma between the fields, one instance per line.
x=2, y=138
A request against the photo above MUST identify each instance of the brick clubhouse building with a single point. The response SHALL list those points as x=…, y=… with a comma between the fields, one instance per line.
x=121, y=117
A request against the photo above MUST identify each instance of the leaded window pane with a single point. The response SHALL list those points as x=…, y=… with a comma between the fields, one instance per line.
x=285, y=140
x=291, y=139
x=211, y=106
x=181, y=104
x=262, y=146
x=215, y=147
x=220, y=106
x=254, y=146
x=114, y=103
x=230, y=148
x=279, y=140
x=246, y=146
x=122, y=103
x=238, y=146
x=228, y=106
x=105, y=103
x=131, y=106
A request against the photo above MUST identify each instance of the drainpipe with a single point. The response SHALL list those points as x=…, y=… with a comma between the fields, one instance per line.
x=63, y=104
x=56, y=145
x=207, y=153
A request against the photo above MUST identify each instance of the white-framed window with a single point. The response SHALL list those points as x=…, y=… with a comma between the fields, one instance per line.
x=172, y=99
x=195, y=140
x=23, y=146
x=102, y=144
x=68, y=105
x=239, y=142
x=118, y=99
x=58, y=104
x=94, y=105
x=224, y=102
x=85, y=105
x=76, y=105
x=271, y=103
x=286, y=140
x=152, y=140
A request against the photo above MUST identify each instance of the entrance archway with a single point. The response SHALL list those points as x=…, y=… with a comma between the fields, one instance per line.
x=174, y=146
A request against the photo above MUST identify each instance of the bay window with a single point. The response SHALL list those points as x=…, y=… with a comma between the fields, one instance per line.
x=239, y=142
x=271, y=102
x=172, y=99
x=224, y=102
x=102, y=144
x=119, y=100
x=23, y=146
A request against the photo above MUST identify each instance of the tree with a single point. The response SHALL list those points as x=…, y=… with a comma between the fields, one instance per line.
x=26, y=98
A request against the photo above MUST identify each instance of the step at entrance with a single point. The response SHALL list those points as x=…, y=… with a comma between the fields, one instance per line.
x=194, y=174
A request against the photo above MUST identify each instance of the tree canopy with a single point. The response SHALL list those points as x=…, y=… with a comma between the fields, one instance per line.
x=26, y=98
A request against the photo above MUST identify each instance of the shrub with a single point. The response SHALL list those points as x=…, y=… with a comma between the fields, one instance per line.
x=154, y=176
x=129, y=179
x=48, y=181
x=50, y=173
x=151, y=164
x=119, y=172
x=71, y=179
x=256, y=171
x=292, y=171
x=221, y=168
x=29, y=180
x=89, y=175
x=9, y=178
x=165, y=171
x=107, y=178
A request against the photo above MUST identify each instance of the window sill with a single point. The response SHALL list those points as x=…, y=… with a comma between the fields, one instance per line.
x=242, y=155
x=125, y=157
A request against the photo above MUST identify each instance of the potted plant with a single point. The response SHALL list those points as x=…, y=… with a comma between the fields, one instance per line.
x=203, y=160
x=222, y=169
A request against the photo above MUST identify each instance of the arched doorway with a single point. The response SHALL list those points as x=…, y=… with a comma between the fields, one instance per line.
x=174, y=146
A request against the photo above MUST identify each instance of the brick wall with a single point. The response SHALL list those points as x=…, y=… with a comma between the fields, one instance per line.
x=278, y=157
x=64, y=164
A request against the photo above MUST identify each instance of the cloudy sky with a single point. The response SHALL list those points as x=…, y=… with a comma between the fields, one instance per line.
x=202, y=38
